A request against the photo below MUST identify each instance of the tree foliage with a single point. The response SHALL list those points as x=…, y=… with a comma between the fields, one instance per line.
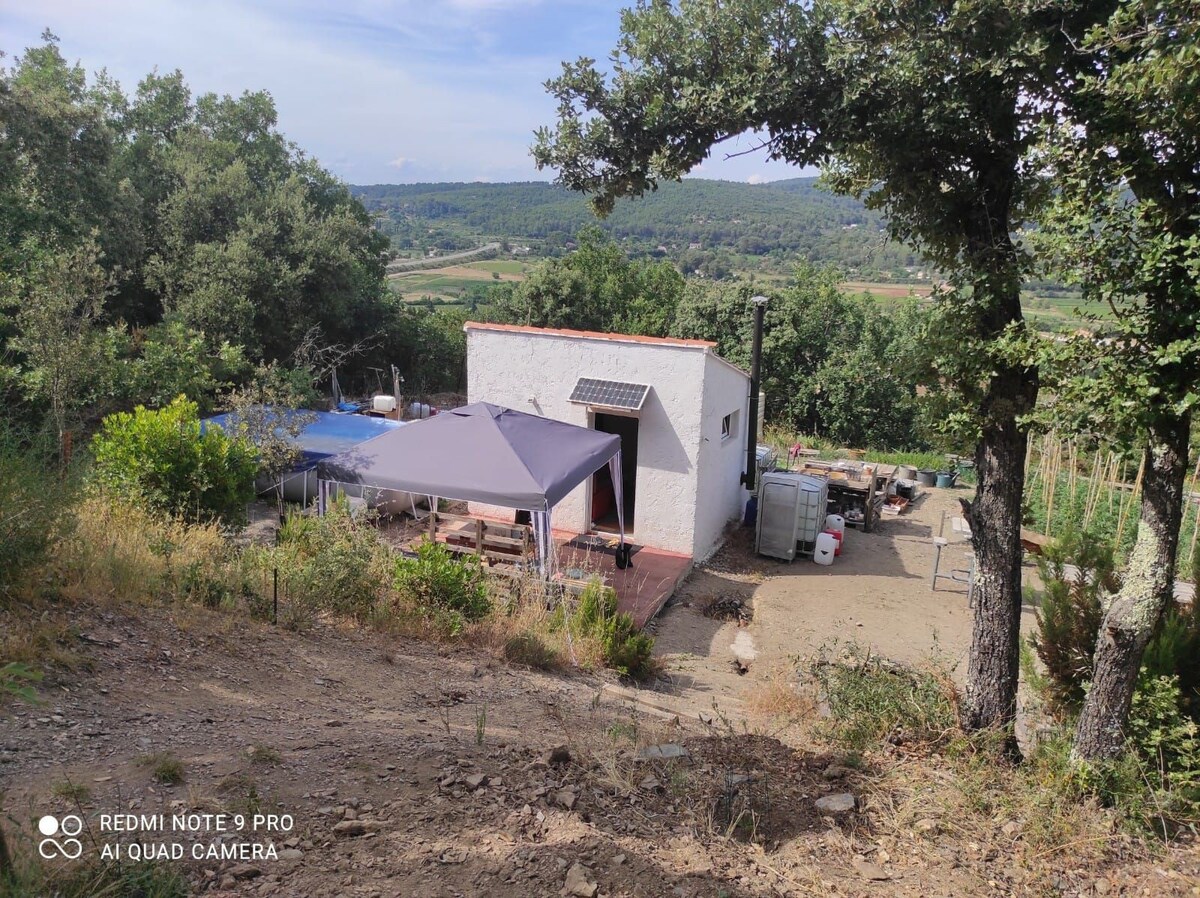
x=833, y=365
x=1125, y=224
x=35, y=504
x=58, y=294
x=142, y=236
x=596, y=288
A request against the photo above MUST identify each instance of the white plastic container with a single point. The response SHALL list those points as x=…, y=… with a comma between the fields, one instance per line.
x=835, y=522
x=790, y=509
x=826, y=548
x=383, y=404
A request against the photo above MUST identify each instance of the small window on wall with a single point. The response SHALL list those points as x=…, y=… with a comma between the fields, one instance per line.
x=729, y=426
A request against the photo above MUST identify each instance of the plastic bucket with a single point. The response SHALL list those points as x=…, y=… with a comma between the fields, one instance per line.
x=926, y=478
x=835, y=523
x=826, y=549
x=838, y=536
x=906, y=472
x=751, y=515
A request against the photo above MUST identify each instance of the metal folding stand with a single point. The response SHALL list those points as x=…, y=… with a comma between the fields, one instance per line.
x=956, y=575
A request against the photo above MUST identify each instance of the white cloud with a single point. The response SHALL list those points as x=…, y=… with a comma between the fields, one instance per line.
x=757, y=178
x=456, y=83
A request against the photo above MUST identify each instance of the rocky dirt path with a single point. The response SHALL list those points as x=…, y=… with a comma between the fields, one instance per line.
x=876, y=595
x=408, y=771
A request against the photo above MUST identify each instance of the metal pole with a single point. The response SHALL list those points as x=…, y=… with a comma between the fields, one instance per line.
x=760, y=304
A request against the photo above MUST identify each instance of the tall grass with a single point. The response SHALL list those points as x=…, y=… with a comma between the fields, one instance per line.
x=873, y=703
x=336, y=567
x=35, y=503
x=30, y=877
x=125, y=551
x=1046, y=804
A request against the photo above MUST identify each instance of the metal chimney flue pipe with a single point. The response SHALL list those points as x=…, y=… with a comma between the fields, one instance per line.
x=748, y=478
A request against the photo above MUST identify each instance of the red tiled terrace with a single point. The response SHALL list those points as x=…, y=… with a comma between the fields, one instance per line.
x=642, y=588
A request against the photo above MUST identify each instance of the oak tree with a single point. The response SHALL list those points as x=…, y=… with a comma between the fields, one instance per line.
x=927, y=111
x=1125, y=224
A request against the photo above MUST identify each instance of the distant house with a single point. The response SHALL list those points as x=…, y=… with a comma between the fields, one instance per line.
x=680, y=409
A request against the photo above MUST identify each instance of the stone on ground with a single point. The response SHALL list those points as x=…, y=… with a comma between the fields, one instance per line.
x=838, y=803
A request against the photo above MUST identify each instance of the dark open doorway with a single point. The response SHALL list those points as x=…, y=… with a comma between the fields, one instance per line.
x=604, y=508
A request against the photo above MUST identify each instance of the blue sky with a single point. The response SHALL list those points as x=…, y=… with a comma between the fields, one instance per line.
x=380, y=91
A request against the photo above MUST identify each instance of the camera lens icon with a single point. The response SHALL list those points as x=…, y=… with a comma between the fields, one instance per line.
x=70, y=826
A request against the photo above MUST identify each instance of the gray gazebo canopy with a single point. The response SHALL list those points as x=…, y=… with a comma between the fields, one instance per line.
x=482, y=453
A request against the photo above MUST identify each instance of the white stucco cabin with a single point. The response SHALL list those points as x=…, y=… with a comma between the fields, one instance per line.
x=680, y=409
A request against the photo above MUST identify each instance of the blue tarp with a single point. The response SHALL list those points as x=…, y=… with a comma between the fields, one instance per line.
x=329, y=434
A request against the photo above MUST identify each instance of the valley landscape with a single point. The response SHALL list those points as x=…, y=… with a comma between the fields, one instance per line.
x=429, y=468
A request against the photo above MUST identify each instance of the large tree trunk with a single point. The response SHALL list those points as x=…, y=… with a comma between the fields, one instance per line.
x=1145, y=592
x=990, y=701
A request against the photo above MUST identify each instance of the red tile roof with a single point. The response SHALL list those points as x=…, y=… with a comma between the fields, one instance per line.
x=589, y=335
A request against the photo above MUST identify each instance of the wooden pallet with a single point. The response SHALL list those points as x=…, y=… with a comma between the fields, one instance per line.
x=490, y=540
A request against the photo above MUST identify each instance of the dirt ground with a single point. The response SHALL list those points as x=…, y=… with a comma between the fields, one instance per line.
x=876, y=595
x=414, y=770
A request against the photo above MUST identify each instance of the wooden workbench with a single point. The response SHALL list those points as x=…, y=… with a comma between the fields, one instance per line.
x=854, y=486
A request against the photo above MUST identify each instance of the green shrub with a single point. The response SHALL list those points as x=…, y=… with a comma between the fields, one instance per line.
x=530, y=650
x=629, y=651
x=1174, y=651
x=34, y=505
x=872, y=702
x=164, y=767
x=17, y=680
x=1168, y=741
x=162, y=458
x=331, y=563
x=1070, y=615
x=172, y=359
x=447, y=587
x=623, y=647
x=1155, y=785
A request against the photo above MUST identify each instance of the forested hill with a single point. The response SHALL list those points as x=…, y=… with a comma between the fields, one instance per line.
x=781, y=220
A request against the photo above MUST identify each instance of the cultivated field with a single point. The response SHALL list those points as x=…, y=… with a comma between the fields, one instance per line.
x=450, y=283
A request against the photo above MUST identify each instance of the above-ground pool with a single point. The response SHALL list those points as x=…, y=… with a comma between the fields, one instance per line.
x=327, y=434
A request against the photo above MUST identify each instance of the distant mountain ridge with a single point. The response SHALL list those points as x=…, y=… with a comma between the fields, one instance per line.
x=775, y=222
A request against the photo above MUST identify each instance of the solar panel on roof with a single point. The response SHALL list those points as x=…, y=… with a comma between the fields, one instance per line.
x=610, y=393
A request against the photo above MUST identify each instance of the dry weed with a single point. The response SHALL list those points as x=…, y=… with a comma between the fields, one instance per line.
x=525, y=628
x=780, y=695
x=122, y=551
x=39, y=635
x=987, y=807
